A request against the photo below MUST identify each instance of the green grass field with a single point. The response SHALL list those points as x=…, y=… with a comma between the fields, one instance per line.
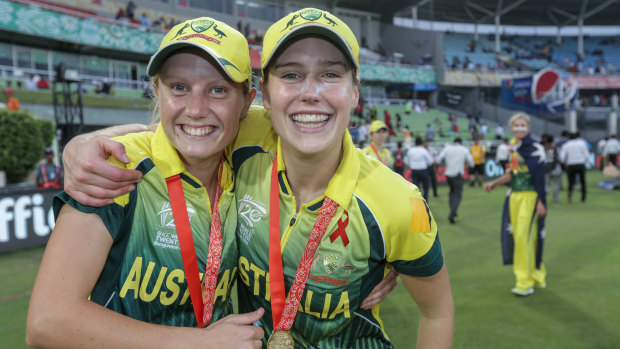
x=578, y=309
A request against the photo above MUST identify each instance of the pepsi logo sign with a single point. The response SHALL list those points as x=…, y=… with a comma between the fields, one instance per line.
x=553, y=89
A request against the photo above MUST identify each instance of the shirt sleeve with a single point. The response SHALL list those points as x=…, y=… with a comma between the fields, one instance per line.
x=413, y=246
x=113, y=215
x=470, y=160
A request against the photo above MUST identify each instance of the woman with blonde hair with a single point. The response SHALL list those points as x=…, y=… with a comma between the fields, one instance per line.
x=525, y=208
x=129, y=274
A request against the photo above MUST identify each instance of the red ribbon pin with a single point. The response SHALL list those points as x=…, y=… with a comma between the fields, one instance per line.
x=340, y=231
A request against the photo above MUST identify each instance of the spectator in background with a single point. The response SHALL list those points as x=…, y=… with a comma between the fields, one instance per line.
x=43, y=84
x=12, y=103
x=430, y=133
x=363, y=133
x=388, y=122
x=484, y=129
x=574, y=154
x=563, y=139
x=49, y=175
x=399, y=159
x=553, y=170
x=130, y=10
x=407, y=137
x=612, y=149
x=145, y=21
x=104, y=88
x=432, y=173
x=376, y=149
x=456, y=157
x=418, y=160
x=120, y=14
x=31, y=82
x=478, y=152
x=499, y=132
x=502, y=154
x=600, y=147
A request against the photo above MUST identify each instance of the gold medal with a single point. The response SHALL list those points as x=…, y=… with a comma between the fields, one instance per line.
x=281, y=340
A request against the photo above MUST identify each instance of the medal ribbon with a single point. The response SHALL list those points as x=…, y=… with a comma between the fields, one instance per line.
x=203, y=307
x=385, y=162
x=514, y=159
x=284, y=311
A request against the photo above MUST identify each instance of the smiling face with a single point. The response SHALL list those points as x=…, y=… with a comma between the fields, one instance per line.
x=200, y=108
x=520, y=128
x=378, y=138
x=310, y=92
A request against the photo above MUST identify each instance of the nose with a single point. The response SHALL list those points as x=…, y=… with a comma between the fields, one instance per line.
x=196, y=106
x=310, y=90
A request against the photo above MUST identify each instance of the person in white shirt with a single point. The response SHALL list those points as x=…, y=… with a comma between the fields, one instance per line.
x=418, y=160
x=455, y=156
x=502, y=154
x=363, y=133
x=600, y=149
x=484, y=129
x=574, y=154
x=499, y=132
x=612, y=149
x=432, y=173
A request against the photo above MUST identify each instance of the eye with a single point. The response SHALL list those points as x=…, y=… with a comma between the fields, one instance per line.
x=218, y=90
x=331, y=75
x=290, y=76
x=177, y=87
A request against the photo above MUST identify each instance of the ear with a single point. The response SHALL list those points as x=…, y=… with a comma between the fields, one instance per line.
x=155, y=90
x=266, y=99
x=356, y=92
x=248, y=102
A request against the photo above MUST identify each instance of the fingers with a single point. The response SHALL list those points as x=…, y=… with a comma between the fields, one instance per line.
x=99, y=172
x=90, y=178
x=116, y=149
x=247, y=318
x=380, y=291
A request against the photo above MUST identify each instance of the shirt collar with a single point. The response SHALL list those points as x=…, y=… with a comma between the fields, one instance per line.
x=342, y=185
x=167, y=160
x=165, y=156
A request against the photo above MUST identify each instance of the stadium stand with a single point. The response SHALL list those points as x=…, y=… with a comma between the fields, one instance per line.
x=385, y=72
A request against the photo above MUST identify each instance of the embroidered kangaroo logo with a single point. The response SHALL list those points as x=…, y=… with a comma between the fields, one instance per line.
x=290, y=23
x=329, y=20
x=219, y=34
x=181, y=30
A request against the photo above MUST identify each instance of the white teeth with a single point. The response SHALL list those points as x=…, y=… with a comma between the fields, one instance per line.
x=310, y=120
x=197, y=131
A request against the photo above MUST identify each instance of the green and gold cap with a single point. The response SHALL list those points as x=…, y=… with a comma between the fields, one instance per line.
x=310, y=21
x=226, y=45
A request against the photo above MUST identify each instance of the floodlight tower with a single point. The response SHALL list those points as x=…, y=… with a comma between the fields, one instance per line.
x=68, y=109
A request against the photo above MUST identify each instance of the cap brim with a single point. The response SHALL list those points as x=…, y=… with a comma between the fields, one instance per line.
x=314, y=29
x=157, y=60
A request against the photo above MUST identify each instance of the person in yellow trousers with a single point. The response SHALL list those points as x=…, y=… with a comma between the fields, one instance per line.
x=525, y=208
x=376, y=149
